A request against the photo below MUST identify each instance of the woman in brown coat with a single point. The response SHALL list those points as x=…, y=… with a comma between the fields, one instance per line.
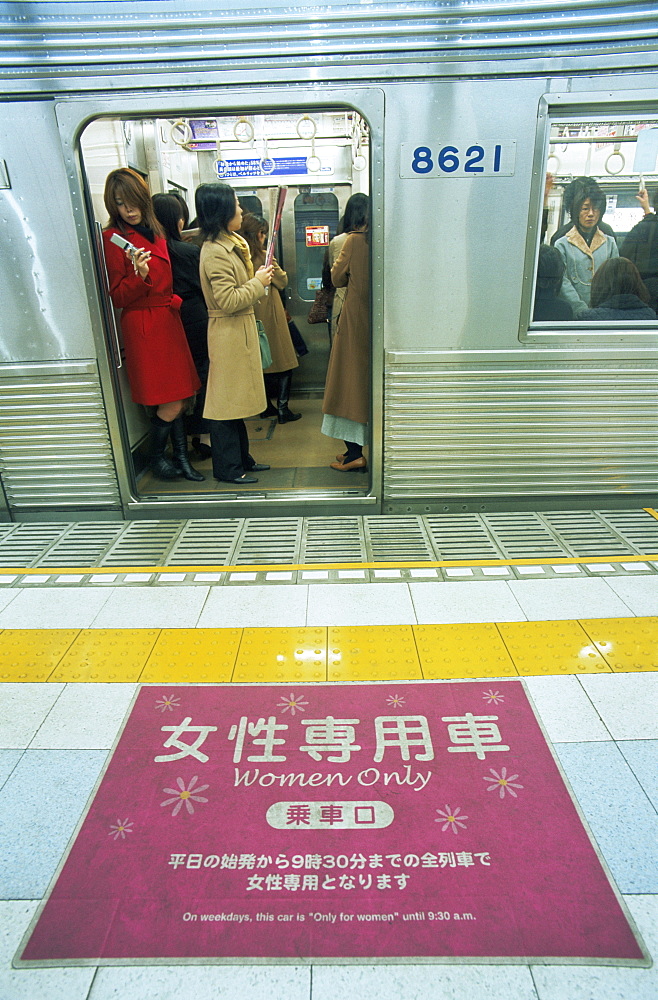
x=269, y=310
x=346, y=404
x=235, y=379
x=354, y=218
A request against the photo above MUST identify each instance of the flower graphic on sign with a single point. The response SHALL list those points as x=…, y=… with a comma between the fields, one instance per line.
x=294, y=703
x=122, y=827
x=493, y=697
x=451, y=819
x=185, y=795
x=167, y=703
x=503, y=782
x=395, y=700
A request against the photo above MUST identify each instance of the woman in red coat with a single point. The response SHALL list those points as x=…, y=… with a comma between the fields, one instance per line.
x=159, y=365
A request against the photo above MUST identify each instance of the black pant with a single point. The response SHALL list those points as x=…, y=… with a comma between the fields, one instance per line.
x=230, y=449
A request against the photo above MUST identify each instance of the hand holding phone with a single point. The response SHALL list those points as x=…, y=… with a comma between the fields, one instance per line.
x=138, y=256
x=123, y=243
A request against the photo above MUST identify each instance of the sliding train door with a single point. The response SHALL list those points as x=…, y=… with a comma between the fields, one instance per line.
x=322, y=153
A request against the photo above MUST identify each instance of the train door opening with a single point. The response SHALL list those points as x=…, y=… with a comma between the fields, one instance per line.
x=321, y=158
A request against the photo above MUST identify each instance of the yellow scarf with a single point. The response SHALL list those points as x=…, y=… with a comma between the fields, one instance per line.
x=243, y=250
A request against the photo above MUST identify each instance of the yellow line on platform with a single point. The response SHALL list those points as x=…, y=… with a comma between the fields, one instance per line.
x=301, y=567
x=650, y=510
x=333, y=653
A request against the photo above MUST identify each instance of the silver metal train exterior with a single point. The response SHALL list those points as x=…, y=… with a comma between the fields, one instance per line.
x=474, y=407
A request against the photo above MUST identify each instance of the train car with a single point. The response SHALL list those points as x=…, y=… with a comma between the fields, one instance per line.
x=449, y=116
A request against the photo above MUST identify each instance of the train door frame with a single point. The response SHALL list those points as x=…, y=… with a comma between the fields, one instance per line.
x=72, y=116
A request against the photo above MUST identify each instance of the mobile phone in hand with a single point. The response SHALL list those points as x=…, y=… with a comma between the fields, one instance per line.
x=123, y=243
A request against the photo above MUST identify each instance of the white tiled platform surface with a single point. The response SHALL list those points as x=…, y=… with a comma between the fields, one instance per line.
x=54, y=739
x=399, y=603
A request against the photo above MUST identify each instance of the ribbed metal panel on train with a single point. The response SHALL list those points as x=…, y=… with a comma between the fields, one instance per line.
x=54, y=444
x=110, y=39
x=519, y=429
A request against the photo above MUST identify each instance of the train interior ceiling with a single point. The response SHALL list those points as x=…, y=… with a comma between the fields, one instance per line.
x=321, y=158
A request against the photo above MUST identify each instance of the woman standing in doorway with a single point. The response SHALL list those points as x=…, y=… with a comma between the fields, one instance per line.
x=184, y=259
x=346, y=404
x=235, y=387
x=353, y=220
x=160, y=368
x=269, y=310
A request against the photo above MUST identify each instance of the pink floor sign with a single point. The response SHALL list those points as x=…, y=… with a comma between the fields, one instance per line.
x=363, y=821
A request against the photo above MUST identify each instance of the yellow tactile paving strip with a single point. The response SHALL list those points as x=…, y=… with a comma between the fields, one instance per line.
x=62, y=571
x=372, y=653
x=191, y=656
x=282, y=654
x=296, y=655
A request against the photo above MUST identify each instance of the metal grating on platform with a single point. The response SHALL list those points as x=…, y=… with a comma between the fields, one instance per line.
x=461, y=536
x=398, y=539
x=275, y=540
x=636, y=527
x=25, y=544
x=585, y=534
x=524, y=536
x=83, y=544
x=205, y=543
x=143, y=543
x=321, y=541
x=333, y=539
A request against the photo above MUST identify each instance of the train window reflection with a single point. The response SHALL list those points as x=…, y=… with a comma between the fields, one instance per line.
x=598, y=256
x=256, y=154
x=316, y=224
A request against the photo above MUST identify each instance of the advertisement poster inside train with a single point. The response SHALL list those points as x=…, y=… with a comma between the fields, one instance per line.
x=348, y=822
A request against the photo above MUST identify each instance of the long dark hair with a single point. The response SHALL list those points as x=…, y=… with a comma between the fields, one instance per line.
x=127, y=185
x=215, y=207
x=357, y=212
x=617, y=276
x=169, y=212
x=185, y=212
x=251, y=226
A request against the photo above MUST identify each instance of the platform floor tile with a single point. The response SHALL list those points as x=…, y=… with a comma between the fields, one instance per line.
x=372, y=653
x=560, y=647
x=282, y=654
x=192, y=656
x=626, y=643
x=106, y=654
x=33, y=654
x=448, y=651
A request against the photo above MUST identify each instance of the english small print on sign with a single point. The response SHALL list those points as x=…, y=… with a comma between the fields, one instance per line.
x=441, y=158
x=380, y=822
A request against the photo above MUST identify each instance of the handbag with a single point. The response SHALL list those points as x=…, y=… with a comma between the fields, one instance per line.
x=319, y=311
x=264, y=344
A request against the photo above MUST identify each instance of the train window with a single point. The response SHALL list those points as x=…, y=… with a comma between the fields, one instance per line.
x=316, y=223
x=597, y=263
x=321, y=158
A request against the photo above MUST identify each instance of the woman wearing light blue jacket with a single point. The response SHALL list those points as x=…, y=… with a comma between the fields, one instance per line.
x=585, y=247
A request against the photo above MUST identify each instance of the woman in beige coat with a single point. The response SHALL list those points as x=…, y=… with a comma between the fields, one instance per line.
x=235, y=379
x=346, y=404
x=269, y=310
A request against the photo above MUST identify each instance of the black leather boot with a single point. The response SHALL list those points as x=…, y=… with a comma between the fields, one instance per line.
x=285, y=415
x=161, y=467
x=179, y=447
x=271, y=383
